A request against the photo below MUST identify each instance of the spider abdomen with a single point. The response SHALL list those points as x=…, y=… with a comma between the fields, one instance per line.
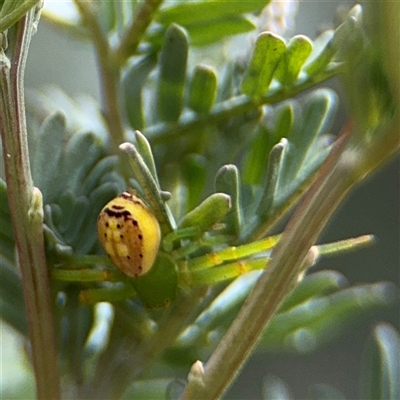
x=129, y=234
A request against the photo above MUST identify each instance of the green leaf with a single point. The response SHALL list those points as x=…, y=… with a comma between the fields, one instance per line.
x=344, y=34
x=283, y=121
x=147, y=154
x=226, y=88
x=271, y=185
x=206, y=11
x=382, y=370
x=265, y=139
x=194, y=174
x=297, y=52
x=268, y=50
x=316, y=284
x=151, y=191
x=172, y=77
x=307, y=326
x=203, y=89
x=317, y=115
x=207, y=213
x=132, y=87
x=257, y=156
x=227, y=181
x=367, y=60
x=206, y=33
x=13, y=10
x=294, y=160
x=226, y=305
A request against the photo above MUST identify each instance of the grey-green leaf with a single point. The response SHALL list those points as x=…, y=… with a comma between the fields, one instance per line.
x=150, y=188
x=381, y=375
x=310, y=324
x=317, y=114
x=50, y=140
x=340, y=36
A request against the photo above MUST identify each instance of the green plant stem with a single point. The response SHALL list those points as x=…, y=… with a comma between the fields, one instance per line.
x=166, y=132
x=134, y=33
x=350, y=161
x=109, y=75
x=26, y=210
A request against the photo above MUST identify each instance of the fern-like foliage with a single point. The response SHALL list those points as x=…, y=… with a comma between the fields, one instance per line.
x=235, y=127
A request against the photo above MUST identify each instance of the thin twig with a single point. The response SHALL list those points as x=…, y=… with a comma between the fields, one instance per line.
x=134, y=33
x=239, y=105
x=27, y=211
x=109, y=74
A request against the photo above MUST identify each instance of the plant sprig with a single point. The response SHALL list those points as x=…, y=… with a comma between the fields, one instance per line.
x=194, y=120
x=25, y=202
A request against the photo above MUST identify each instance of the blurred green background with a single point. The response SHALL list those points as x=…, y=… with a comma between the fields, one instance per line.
x=372, y=208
